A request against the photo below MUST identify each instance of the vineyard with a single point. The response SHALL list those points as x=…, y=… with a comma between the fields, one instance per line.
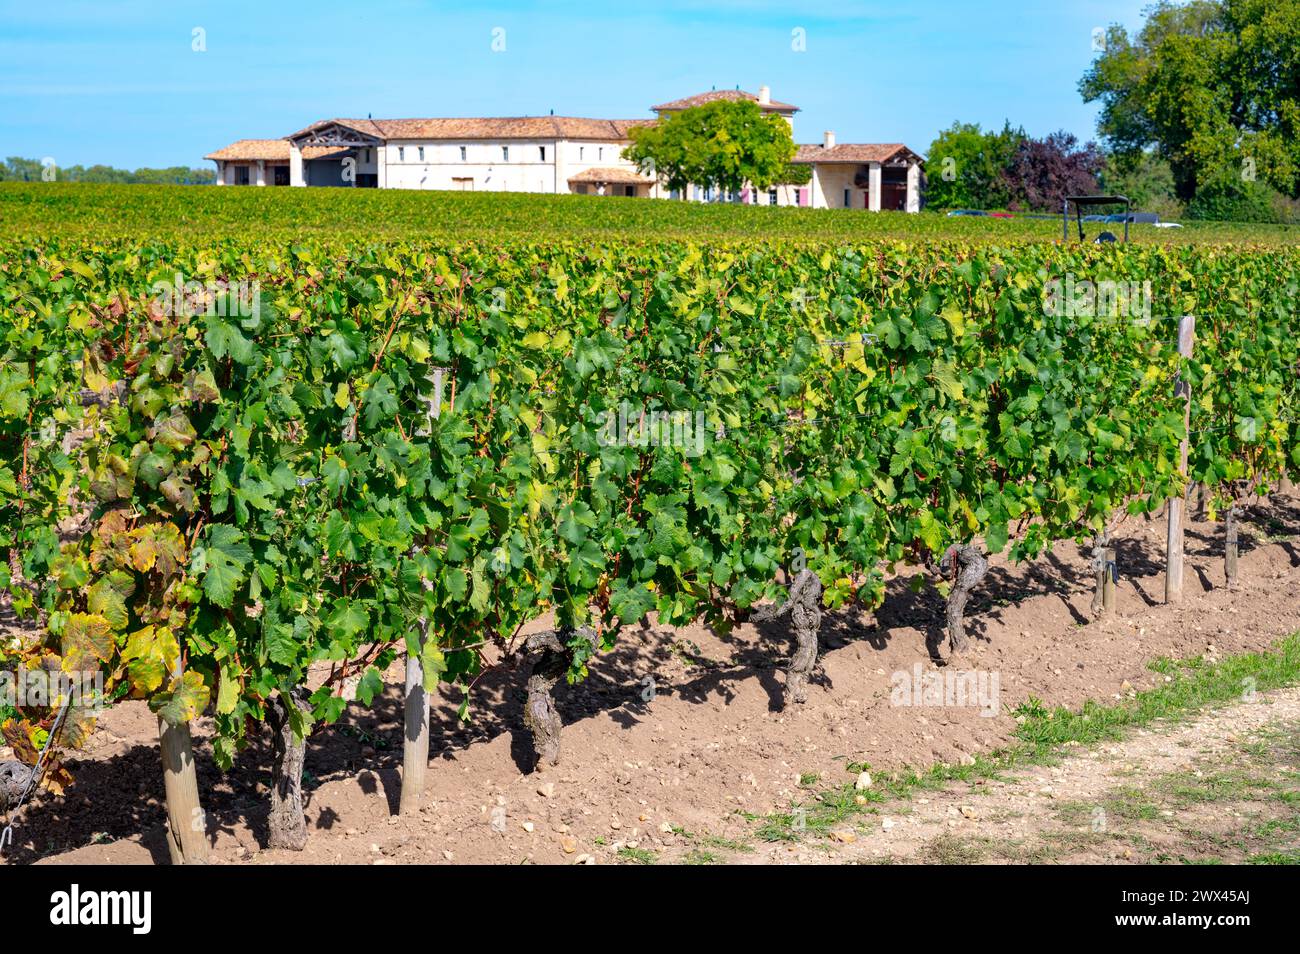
x=164, y=213
x=241, y=478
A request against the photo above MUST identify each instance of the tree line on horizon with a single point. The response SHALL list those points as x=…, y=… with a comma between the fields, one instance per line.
x=18, y=169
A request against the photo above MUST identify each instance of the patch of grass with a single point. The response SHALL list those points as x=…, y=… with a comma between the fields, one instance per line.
x=637, y=856
x=1063, y=841
x=702, y=842
x=725, y=844
x=949, y=849
x=1126, y=803
x=1275, y=858
x=376, y=742
x=1234, y=785
x=689, y=654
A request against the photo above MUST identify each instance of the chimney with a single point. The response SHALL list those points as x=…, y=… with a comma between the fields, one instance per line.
x=828, y=139
x=764, y=96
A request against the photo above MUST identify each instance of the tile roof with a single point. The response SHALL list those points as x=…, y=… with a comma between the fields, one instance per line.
x=610, y=175
x=366, y=127
x=699, y=99
x=852, y=152
x=516, y=127
x=271, y=150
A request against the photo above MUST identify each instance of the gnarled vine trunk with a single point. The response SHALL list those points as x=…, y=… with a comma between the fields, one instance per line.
x=287, y=824
x=804, y=607
x=1099, y=552
x=552, y=657
x=14, y=779
x=972, y=565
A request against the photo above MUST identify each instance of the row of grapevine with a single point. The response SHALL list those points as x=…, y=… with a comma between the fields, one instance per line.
x=95, y=211
x=227, y=465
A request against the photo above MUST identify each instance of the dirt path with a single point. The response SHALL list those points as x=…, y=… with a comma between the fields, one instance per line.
x=1222, y=788
x=712, y=749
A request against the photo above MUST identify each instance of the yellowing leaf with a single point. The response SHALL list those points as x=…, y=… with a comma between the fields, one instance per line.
x=87, y=642
x=953, y=314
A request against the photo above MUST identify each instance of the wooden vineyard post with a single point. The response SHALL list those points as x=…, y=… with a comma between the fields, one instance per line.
x=1108, y=582
x=415, y=739
x=415, y=743
x=187, y=836
x=1230, y=546
x=1174, y=540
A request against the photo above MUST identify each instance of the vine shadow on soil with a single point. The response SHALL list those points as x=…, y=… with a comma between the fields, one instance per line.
x=366, y=743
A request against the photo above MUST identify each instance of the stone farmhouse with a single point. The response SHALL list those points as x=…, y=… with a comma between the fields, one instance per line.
x=555, y=154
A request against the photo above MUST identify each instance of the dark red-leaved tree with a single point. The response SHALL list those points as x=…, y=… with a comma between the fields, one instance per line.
x=1042, y=172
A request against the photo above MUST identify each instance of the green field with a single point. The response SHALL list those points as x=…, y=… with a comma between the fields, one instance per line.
x=169, y=212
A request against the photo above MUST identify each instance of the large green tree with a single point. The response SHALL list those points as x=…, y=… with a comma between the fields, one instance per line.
x=724, y=145
x=1145, y=178
x=965, y=166
x=1213, y=86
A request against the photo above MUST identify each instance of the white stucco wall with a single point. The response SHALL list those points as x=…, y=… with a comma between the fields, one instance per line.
x=831, y=180
x=524, y=168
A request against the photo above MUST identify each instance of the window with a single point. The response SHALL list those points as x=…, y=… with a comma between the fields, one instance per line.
x=241, y=175
x=582, y=188
x=420, y=151
x=847, y=200
x=630, y=191
x=281, y=174
x=580, y=151
x=771, y=197
x=600, y=153
x=505, y=153
x=462, y=153
x=542, y=150
x=463, y=185
x=401, y=153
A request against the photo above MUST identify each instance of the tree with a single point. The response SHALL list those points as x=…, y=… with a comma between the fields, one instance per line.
x=724, y=145
x=18, y=169
x=1042, y=172
x=794, y=175
x=1226, y=197
x=1145, y=178
x=965, y=165
x=1212, y=85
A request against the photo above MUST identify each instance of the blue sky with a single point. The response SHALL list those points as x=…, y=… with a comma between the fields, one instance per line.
x=119, y=82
